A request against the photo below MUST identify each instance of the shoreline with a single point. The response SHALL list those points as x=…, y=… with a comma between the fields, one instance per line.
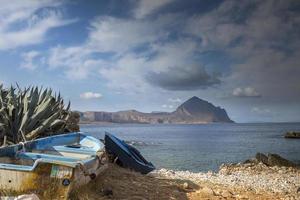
x=104, y=122
x=256, y=179
x=233, y=181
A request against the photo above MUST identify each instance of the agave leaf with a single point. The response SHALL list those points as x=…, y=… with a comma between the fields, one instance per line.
x=31, y=113
x=68, y=106
x=42, y=127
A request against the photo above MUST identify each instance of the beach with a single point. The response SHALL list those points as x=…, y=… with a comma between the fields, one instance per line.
x=205, y=168
x=239, y=181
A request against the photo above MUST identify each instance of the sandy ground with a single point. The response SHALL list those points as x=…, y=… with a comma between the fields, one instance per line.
x=119, y=183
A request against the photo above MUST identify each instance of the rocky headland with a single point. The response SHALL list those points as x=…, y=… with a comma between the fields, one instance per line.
x=193, y=111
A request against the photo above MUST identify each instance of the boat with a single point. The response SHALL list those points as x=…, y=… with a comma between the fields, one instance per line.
x=50, y=167
x=126, y=155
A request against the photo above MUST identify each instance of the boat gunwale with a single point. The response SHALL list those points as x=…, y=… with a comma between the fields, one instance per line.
x=12, y=151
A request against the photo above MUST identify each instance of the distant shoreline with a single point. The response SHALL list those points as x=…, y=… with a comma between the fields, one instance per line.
x=140, y=123
x=107, y=123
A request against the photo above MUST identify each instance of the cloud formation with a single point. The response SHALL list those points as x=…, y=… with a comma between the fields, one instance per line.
x=245, y=92
x=262, y=111
x=175, y=100
x=165, y=51
x=90, y=95
x=183, y=78
x=167, y=106
x=33, y=20
x=159, y=51
x=29, y=60
x=261, y=38
x=146, y=7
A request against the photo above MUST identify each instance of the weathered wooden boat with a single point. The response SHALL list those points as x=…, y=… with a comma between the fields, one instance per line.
x=50, y=167
x=127, y=155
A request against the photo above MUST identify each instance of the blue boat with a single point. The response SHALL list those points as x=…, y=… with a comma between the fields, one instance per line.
x=50, y=167
x=126, y=155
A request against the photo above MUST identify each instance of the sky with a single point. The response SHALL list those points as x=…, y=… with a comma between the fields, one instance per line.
x=152, y=55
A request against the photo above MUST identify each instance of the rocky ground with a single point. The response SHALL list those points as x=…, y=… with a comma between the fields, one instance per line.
x=243, y=181
x=251, y=180
x=267, y=177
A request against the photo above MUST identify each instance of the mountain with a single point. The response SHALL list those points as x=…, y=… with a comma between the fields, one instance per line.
x=193, y=111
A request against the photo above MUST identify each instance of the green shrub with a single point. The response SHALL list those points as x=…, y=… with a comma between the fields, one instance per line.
x=30, y=113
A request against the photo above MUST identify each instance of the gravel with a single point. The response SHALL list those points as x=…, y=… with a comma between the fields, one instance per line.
x=256, y=177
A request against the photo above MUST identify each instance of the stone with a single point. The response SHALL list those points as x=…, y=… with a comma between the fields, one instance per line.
x=27, y=197
x=292, y=134
x=107, y=192
x=260, y=157
x=226, y=194
x=208, y=190
x=218, y=192
x=185, y=185
x=276, y=160
x=240, y=196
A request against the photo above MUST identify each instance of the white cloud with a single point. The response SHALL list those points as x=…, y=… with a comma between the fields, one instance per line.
x=263, y=54
x=76, y=61
x=29, y=60
x=245, y=92
x=90, y=95
x=175, y=100
x=261, y=111
x=146, y=7
x=120, y=37
x=109, y=34
x=167, y=106
x=35, y=24
x=249, y=45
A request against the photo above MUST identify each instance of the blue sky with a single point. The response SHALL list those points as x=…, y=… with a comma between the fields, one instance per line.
x=152, y=55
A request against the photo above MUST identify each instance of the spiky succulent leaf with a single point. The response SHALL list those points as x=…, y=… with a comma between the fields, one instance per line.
x=30, y=113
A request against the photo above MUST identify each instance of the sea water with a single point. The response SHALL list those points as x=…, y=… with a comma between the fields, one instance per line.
x=203, y=147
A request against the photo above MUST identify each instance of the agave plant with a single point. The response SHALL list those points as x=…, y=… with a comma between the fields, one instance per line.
x=30, y=113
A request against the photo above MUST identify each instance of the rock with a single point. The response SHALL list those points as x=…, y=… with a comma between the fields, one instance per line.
x=298, y=190
x=250, y=161
x=260, y=157
x=240, y=196
x=218, y=192
x=185, y=185
x=108, y=192
x=27, y=197
x=226, y=194
x=208, y=190
x=276, y=160
x=292, y=134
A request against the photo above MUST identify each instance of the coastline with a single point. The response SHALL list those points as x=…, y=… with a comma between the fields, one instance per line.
x=233, y=181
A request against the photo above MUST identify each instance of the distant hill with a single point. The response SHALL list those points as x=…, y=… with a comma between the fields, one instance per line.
x=193, y=111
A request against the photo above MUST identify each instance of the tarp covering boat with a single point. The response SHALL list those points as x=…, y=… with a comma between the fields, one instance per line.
x=129, y=156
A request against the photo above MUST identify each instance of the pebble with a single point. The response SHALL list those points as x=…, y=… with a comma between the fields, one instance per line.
x=107, y=192
x=208, y=190
x=185, y=185
x=239, y=196
x=250, y=177
x=226, y=194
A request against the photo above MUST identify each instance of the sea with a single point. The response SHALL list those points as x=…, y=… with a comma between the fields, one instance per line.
x=202, y=148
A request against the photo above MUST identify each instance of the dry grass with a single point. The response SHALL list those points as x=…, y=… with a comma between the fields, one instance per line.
x=119, y=183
